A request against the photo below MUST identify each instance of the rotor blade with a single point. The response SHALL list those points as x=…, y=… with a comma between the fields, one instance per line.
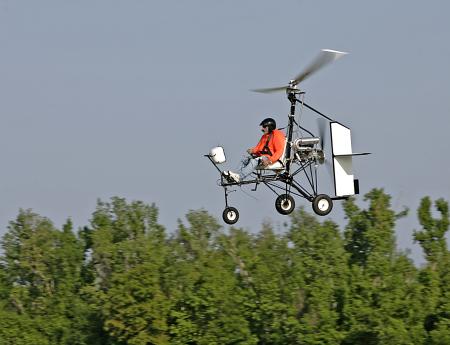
x=324, y=58
x=270, y=90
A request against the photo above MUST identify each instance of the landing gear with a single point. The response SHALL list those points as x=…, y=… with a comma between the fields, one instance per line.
x=230, y=215
x=285, y=204
x=322, y=205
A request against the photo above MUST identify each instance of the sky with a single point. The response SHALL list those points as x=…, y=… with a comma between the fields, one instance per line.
x=124, y=98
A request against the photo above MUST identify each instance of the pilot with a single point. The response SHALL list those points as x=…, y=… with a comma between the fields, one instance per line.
x=269, y=150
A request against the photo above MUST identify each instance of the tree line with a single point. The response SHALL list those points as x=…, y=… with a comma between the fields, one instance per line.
x=124, y=280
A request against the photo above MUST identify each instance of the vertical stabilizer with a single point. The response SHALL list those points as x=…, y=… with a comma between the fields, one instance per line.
x=341, y=146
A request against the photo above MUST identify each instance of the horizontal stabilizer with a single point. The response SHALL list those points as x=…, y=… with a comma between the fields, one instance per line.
x=353, y=154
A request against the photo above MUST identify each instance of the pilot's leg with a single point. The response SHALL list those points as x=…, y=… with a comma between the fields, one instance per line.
x=242, y=164
x=246, y=166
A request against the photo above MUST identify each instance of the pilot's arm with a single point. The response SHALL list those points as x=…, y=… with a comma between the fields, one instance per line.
x=266, y=160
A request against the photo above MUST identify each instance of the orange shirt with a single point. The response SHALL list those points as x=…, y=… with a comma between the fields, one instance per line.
x=276, y=145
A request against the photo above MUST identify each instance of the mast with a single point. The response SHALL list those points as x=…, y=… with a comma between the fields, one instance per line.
x=291, y=92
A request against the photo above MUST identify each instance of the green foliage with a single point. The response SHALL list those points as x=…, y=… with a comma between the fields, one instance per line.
x=370, y=233
x=431, y=238
x=319, y=282
x=383, y=305
x=209, y=299
x=129, y=258
x=122, y=237
x=123, y=280
x=41, y=285
x=435, y=278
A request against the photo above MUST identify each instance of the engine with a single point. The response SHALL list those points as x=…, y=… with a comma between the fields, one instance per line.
x=306, y=149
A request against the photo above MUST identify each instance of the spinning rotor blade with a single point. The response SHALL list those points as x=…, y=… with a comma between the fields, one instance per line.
x=324, y=58
x=274, y=89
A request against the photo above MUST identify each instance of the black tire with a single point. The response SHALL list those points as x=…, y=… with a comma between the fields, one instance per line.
x=285, y=204
x=230, y=215
x=322, y=205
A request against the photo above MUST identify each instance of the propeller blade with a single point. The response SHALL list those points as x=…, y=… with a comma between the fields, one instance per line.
x=325, y=57
x=321, y=123
x=330, y=169
x=271, y=89
x=323, y=134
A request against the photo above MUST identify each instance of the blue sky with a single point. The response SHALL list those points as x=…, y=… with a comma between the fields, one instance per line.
x=123, y=98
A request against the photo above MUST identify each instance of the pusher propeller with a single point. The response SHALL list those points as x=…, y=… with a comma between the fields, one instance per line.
x=324, y=58
x=321, y=124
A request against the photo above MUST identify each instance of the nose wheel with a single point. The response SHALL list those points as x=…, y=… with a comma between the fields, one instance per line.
x=230, y=215
x=322, y=205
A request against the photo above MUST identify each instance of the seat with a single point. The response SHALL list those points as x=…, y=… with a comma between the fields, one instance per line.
x=275, y=165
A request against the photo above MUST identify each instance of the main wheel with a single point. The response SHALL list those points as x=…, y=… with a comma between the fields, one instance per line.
x=230, y=215
x=322, y=205
x=285, y=204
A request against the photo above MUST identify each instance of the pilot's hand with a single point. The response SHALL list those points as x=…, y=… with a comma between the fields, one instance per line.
x=266, y=163
x=250, y=151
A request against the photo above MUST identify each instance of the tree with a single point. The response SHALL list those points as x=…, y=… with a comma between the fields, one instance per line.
x=320, y=274
x=383, y=305
x=129, y=255
x=268, y=287
x=209, y=306
x=436, y=276
x=41, y=273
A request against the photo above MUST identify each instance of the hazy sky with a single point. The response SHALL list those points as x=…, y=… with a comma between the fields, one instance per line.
x=123, y=98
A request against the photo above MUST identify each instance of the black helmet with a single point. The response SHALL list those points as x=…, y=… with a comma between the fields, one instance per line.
x=269, y=122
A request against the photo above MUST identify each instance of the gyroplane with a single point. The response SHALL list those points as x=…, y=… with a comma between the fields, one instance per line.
x=303, y=153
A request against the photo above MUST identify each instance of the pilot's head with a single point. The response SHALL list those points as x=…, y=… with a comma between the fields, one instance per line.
x=268, y=125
